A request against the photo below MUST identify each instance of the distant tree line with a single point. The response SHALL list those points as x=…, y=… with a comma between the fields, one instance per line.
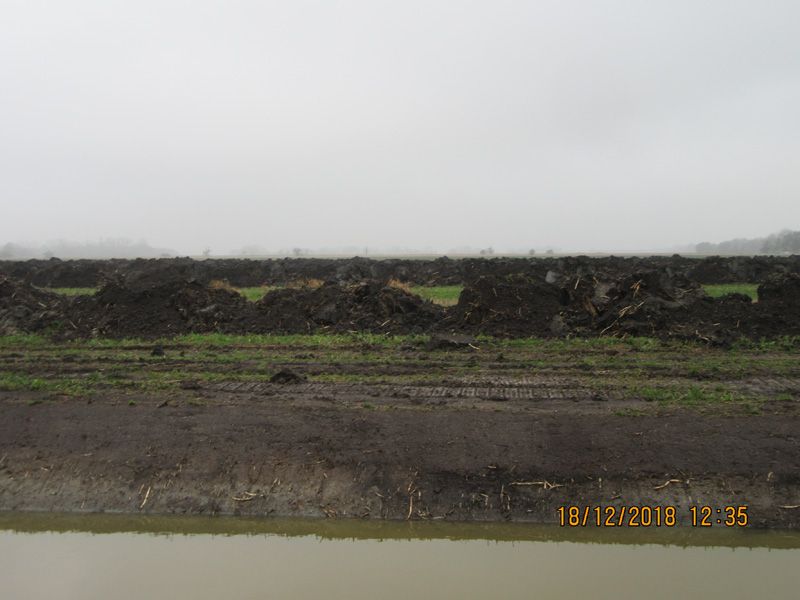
x=784, y=242
x=113, y=248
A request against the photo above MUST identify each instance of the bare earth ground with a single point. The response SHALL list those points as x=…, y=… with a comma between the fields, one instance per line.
x=384, y=428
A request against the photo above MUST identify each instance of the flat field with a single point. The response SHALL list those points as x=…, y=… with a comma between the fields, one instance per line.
x=398, y=427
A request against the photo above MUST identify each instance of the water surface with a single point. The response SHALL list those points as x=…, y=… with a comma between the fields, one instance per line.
x=88, y=557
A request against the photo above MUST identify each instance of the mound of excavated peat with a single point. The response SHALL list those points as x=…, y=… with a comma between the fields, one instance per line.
x=779, y=305
x=645, y=303
x=26, y=309
x=366, y=306
x=178, y=307
x=655, y=303
x=782, y=291
x=660, y=304
x=242, y=272
x=509, y=306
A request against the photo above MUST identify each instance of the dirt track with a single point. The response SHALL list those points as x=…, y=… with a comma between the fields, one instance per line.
x=399, y=432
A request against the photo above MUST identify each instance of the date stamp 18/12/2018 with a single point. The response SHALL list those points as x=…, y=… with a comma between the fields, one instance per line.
x=651, y=516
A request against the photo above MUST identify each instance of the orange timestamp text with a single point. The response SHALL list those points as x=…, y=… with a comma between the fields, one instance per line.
x=650, y=516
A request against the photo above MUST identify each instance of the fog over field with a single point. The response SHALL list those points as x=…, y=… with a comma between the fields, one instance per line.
x=438, y=125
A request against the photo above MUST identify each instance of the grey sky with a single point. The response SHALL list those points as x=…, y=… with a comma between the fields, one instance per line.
x=585, y=125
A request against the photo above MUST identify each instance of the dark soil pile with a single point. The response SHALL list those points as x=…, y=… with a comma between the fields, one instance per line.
x=646, y=303
x=26, y=309
x=441, y=271
x=661, y=304
x=779, y=305
x=510, y=306
x=740, y=269
x=781, y=292
x=587, y=302
x=366, y=306
x=142, y=274
x=118, y=310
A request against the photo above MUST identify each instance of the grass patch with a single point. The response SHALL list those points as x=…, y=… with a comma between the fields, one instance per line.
x=12, y=382
x=201, y=341
x=77, y=291
x=788, y=343
x=23, y=341
x=695, y=396
x=654, y=374
x=444, y=295
x=254, y=294
x=612, y=351
x=16, y=382
x=717, y=290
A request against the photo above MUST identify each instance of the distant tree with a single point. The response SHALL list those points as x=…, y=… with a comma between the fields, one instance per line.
x=793, y=242
x=297, y=251
x=206, y=252
x=778, y=243
x=785, y=241
x=532, y=252
x=487, y=251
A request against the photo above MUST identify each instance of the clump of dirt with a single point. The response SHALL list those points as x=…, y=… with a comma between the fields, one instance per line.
x=27, y=309
x=286, y=377
x=365, y=306
x=509, y=306
x=177, y=307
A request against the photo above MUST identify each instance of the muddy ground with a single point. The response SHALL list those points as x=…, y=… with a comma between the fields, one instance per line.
x=399, y=428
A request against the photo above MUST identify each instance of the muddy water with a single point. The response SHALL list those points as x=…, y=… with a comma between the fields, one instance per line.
x=46, y=556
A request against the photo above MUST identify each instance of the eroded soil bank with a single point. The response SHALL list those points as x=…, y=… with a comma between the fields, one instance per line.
x=504, y=431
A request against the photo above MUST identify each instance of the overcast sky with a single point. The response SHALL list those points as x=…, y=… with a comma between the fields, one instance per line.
x=607, y=125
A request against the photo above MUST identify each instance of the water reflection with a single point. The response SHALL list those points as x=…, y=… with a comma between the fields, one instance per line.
x=86, y=557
